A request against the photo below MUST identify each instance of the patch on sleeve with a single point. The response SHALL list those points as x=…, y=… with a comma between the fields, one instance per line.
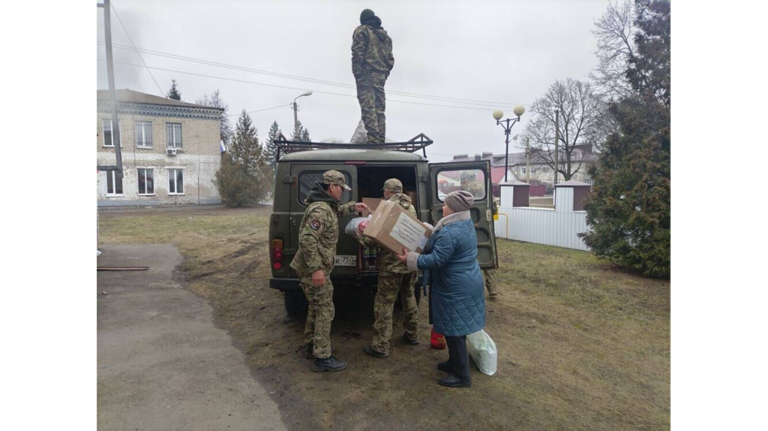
x=315, y=224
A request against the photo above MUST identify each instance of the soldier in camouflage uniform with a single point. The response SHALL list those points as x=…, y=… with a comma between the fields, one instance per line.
x=490, y=282
x=372, y=60
x=490, y=274
x=394, y=281
x=318, y=236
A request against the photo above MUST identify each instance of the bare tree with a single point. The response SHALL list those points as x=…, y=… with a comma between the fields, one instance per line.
x=215, y=101
x=582, y=126
x=615, y=46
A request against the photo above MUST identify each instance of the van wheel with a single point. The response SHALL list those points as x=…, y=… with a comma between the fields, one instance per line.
x=295, y=304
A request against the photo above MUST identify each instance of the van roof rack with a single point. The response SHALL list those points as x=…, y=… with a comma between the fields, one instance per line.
x=284, y=146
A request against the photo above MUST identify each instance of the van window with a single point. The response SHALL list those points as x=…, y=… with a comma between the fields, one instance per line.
x=307, y=180
x=471, y=180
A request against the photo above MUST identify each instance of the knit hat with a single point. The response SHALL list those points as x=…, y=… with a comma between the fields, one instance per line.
x=461, y=200
x=365, y=15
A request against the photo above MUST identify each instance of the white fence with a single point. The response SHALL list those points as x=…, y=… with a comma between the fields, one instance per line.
x=559, y=227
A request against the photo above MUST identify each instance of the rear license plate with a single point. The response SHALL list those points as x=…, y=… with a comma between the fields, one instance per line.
x=345, y=260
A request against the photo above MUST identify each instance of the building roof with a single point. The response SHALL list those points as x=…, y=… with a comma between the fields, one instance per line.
x=130, y=96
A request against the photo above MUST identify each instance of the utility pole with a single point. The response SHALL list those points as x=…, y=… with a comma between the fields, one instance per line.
x=295, y=120
x=557, y=140
x=528, y=160
x=112, y=95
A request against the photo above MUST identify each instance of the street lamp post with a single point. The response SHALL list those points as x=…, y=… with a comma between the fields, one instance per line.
x=507, y=125
x=296, y=115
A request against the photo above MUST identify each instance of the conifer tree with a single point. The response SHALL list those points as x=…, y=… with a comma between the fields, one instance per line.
x=244, y=178
x=174, y=92
x=270, y=149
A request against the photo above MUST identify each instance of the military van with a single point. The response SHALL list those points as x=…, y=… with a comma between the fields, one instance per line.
x=366, y=167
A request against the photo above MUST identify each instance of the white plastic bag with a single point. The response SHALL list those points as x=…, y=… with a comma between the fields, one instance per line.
x=483, y=351
x=356, y=226
x=360, y=136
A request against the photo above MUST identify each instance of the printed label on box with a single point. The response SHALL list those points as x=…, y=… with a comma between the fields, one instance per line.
x=408, y=232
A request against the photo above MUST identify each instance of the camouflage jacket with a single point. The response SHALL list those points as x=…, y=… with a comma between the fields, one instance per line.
x=319, y=232
x=371, y=50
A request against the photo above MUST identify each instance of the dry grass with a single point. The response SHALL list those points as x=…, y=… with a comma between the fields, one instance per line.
x=581, y=344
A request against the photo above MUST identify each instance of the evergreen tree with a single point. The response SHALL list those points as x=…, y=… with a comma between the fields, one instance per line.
x=174, y=92
x=215, y=101
x=300, y=133
x=244, y=178
x=305, y=135
x=270, y=149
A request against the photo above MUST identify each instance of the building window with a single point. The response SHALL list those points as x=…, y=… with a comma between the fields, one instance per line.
x=144, y=134
x=176, y=181
x=173, y=130
x=106, y=127
x=114, y=183
x=146, y=181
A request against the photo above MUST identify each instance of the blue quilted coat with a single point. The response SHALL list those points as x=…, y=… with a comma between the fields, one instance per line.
x=449, y=261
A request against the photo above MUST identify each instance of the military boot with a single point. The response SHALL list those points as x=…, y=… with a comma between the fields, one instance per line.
x=329, y=364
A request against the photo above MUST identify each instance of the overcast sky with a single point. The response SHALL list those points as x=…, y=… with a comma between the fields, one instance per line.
x=497, y=53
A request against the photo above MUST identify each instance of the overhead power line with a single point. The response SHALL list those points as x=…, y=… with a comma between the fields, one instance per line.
x=284, y=105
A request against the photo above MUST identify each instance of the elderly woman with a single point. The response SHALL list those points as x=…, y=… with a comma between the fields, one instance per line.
x=456, y=298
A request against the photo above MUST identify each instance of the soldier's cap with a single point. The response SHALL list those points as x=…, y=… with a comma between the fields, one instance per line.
x=335, y=177
x=393, y=185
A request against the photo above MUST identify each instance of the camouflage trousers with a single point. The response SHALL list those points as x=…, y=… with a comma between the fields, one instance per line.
x=391, y=287
x=370, y=94
x=490, y=281
x=317, y=330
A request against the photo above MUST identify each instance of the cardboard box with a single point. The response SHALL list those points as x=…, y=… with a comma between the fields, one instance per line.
x=394, y=228
x=372, y=203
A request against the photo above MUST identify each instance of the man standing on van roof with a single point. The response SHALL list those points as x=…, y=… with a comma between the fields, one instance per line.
x=372, y=60
x=318, y=235
x=394, y=281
